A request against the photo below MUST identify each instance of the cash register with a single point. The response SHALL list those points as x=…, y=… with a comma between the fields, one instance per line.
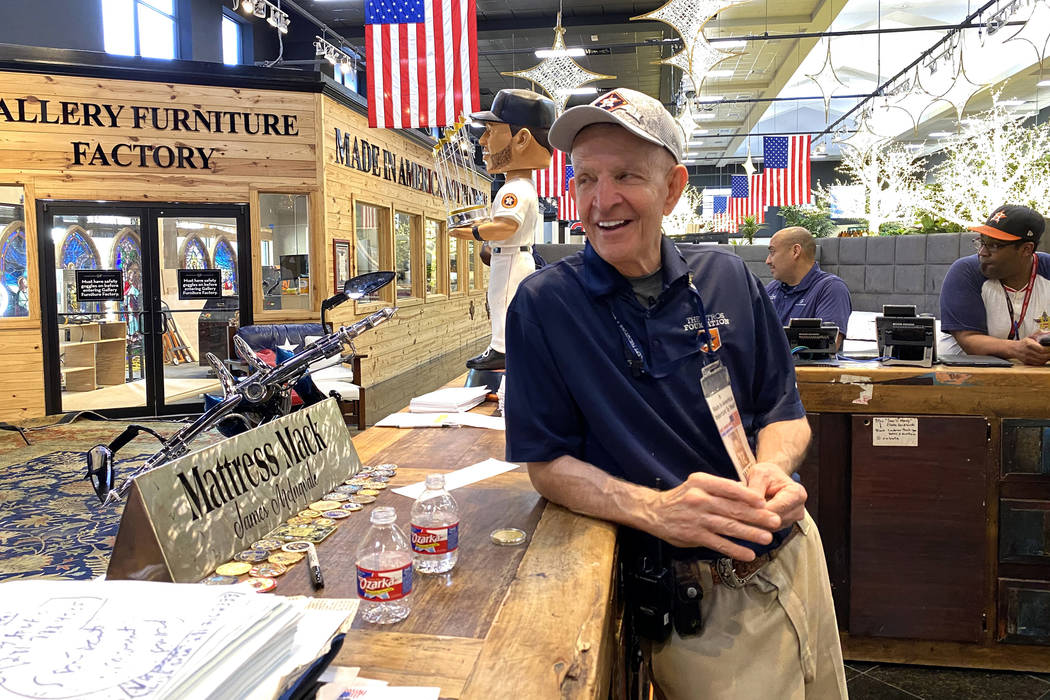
x=904, y=337
x=812, y=341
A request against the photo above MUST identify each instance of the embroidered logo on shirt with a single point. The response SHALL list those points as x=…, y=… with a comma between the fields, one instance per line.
x=1043, y=321
x=510, y=201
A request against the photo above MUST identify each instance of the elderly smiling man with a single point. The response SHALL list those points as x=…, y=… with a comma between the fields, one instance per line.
x=604, y=402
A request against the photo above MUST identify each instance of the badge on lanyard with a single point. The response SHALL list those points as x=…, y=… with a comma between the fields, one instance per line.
x=718, y=391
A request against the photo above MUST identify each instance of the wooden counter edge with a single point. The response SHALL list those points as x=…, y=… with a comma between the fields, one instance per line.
x=551, y=637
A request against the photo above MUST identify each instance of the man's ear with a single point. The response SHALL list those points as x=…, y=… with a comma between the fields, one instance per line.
x=523, y=138
x=677, y=179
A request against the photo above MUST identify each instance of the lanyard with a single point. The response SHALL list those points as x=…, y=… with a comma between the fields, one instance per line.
x=633, y=350
x=1015, y=326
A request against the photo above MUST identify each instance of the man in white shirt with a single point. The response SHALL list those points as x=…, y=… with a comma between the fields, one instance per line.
x=997, y=302
x=515, y=143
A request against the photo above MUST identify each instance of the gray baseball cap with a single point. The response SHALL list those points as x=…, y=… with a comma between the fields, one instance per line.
x=640, y=114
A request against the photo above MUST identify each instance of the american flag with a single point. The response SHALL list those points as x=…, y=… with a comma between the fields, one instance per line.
x=720, y=209
x=368, y=220
x=786, y=168
x=747, y=198
x=554, y=183
x=422, y=62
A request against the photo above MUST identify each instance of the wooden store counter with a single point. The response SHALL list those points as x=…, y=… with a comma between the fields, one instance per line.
x=932, y=491
x=533, y=621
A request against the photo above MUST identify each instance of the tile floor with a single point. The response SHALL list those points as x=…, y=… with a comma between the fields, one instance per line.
x=870, y=681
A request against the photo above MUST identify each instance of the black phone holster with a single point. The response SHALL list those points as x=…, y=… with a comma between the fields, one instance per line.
x=660, y=591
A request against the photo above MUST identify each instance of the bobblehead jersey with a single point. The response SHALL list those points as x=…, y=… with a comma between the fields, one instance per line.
x=516, y=200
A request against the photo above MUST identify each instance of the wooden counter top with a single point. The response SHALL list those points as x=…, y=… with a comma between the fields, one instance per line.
x=1009, y=392
x=533, y=621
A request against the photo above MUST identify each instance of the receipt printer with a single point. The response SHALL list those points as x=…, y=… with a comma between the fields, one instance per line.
x=905, y=338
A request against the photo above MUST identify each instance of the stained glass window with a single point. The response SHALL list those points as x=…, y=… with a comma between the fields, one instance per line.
x=127, y=253
x=78, y=252
x=13, y=272
x=195, y=256
x=226, y=260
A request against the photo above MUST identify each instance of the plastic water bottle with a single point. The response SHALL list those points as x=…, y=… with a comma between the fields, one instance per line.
x=435, y=528
x=384, y=570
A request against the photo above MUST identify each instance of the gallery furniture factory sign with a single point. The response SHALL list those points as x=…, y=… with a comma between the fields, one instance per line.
x=194, y=513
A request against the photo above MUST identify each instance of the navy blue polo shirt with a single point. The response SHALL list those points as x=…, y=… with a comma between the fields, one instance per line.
x=570, y=389
x=818, y=295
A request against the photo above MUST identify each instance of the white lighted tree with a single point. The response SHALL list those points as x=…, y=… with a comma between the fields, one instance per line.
x=993, y=160
x=684, y=215
x=892, y=179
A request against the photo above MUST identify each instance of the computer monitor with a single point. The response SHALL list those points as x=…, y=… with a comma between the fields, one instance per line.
x=904, y=337
x=820, y=340
x=294, y=266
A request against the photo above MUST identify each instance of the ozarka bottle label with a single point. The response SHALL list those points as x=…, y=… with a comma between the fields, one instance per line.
x=435, y=540
x=389, y=584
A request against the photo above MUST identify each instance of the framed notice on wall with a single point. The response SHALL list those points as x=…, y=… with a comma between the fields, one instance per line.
x=341, y=262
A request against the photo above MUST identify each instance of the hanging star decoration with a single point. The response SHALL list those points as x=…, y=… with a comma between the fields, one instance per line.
x=697, y=61
x=888, y=119
x=559, y=75
x=686, y=121
x=862, y=139
x=908, y=95
x=1034, y=30
x=960, y=92
x=688, y=17
x=827, y=80
x=749, y=165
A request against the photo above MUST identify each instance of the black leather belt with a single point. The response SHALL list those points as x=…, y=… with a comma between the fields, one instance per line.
x=523, y=249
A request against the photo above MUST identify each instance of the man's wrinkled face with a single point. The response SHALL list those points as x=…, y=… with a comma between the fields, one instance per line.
x=496, y=146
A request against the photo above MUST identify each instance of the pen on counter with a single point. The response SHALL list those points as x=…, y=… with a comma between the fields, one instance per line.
x=316, y=579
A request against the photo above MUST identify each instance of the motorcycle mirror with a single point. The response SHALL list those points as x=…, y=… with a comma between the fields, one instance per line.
x=363, y=285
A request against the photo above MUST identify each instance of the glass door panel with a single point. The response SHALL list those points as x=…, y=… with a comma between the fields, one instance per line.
x=189, y=328
x=100, y=339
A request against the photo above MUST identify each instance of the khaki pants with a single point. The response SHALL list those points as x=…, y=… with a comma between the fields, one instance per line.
x=774, y=638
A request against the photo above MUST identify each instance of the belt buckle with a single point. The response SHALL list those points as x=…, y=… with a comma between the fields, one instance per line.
x=728, y=575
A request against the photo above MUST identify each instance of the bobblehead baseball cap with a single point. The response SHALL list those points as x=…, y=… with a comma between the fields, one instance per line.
x=643, y=116
x=1012, y=222
x=522, y=107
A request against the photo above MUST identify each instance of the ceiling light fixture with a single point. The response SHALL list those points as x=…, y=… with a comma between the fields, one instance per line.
x=335, y=55
x=259, y=8
x=556, y=53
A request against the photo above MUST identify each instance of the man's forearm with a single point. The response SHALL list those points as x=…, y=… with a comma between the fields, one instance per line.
x=584, y=488
x=974, y=343
x=784, y=443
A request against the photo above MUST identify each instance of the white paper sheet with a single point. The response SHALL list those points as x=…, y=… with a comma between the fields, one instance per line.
x=441, y=420
x=461, y=477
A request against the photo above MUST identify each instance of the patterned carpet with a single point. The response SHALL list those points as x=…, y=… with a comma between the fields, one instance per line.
x=51, y=523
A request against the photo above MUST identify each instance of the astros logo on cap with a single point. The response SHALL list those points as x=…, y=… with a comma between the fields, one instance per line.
x=997, y=217
x=612, y=102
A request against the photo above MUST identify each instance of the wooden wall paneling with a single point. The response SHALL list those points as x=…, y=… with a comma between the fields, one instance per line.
x=825, y=474
x=21, y=378
x=919, y=564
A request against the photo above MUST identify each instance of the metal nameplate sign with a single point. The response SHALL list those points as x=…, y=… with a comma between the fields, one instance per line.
x=206, y=506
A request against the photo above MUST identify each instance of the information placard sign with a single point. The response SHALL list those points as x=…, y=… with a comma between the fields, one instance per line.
x=100, y=285
x=194, y=513
x=200, y=284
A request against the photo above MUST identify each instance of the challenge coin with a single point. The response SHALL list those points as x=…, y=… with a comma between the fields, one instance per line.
x=309, y=513
x=300, y=546
x=368, y=492
x=337, y=514
x=351, y=506
x=375, y=485
x=321, y=506
x=233, y=568
x=337, y=496
x=324, y=521
x=364, y=498
x=262, y=585
x=267, y=544
x=252, y=555
x=219, y=580
x=507, y=536
x=348, y=488
x=285, y=558
x=267, y=570
x=298, y=520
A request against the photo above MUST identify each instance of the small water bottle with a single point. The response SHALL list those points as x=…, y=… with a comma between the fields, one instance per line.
x=435, y=528
x=384, y=570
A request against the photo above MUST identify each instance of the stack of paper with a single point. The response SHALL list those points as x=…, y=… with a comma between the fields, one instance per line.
x=449, y=400
x=105, y=639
